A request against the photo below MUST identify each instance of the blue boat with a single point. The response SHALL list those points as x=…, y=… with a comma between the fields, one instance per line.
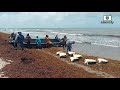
x=54, y=42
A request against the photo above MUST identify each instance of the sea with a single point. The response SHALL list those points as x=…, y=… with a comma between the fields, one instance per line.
x=100, y=42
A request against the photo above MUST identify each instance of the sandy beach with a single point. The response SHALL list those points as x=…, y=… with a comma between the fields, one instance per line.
x=43, y=63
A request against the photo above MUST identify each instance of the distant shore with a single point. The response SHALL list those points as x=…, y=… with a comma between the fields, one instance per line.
x=43, y=63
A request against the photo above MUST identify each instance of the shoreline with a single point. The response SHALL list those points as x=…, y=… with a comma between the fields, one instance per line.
x=97, y=51
x=38, y=64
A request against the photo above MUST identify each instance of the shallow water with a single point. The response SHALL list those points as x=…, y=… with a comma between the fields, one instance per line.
x=96, y=50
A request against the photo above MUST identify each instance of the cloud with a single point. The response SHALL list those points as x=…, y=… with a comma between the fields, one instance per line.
x=56, y=19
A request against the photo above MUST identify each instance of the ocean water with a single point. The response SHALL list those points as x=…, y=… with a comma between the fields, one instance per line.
x=98, y=42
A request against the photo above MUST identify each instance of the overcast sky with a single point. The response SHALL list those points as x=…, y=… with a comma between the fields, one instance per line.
x=57, y=20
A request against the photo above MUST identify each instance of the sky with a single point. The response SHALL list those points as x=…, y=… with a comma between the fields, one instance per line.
x=57, y=20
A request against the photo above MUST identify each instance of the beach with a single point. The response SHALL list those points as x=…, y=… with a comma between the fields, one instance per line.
x=32, y=63
x=43, y=63
x=92, y=41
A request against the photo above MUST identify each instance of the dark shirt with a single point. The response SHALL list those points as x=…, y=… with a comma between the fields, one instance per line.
x=63, y=40
x=28, y=38
x=20, y=38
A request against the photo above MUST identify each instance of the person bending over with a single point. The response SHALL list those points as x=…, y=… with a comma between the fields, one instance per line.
x=69, y=45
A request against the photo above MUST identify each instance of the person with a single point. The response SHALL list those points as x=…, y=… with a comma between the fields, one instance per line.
x=47, y=41
x=19, y=40
x=65, y=38
x=38, y=41
x=15, y=39
x=28, y=39
x=12, y=36
x=56, y=37
x=69, y=45
x=63, y=42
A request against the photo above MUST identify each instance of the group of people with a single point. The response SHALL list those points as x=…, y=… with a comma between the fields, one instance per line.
x=19, y=39
x=38, y=41
x=67, y=44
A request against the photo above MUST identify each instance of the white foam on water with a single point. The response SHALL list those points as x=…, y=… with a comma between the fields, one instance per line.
x=72, y=34
x=79, y=41
x=105, y=45
x=63, y=33
x=55, y=32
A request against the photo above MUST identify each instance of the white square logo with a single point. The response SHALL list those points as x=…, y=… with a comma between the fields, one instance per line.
x=107, y=18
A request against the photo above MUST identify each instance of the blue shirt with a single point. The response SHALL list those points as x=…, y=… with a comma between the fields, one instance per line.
x=69, y=44
x=38, y=40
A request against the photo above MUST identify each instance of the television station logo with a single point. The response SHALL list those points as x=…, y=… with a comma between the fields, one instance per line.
x=107, y=19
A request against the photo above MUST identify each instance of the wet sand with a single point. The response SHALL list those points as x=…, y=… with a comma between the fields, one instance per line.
x=43, y=63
